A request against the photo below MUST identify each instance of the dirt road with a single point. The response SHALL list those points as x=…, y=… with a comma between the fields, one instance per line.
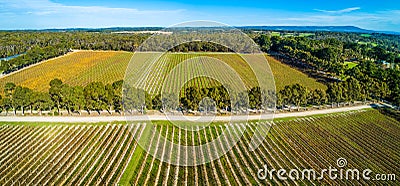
x=95, y=119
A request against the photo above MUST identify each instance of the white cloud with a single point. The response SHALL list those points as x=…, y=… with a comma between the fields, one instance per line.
x=48, y=14
x=346, y=10
x=44, y=7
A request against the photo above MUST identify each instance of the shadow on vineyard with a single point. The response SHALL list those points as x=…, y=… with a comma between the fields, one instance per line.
x=390, y=112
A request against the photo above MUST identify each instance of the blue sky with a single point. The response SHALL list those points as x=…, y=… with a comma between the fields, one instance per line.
x=39, y=14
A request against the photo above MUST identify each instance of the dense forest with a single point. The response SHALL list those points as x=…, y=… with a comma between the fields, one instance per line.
x=376, y=68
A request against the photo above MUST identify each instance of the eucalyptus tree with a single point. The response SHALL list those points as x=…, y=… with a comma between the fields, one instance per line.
x=21, y=98
x=55, y=92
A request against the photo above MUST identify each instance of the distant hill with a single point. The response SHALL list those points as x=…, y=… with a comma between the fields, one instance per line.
x=317, y=28
x=272, y=28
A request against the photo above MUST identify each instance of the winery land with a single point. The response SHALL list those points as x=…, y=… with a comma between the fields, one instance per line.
x=101, y=107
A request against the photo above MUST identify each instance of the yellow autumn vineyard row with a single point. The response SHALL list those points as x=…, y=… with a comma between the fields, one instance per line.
x=83, y=67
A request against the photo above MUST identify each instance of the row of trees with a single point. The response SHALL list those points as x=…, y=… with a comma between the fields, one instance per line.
x=199, y=46
x=93, y=97
x=344, y=92
x=99, y=97
x=109, y=97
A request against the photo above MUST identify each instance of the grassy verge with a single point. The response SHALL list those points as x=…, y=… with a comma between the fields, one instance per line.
x=133, y=163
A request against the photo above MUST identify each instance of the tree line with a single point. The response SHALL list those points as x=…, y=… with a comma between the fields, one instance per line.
x=117, y=97
x=346, y=92
x=93, y=97
x=98, y=97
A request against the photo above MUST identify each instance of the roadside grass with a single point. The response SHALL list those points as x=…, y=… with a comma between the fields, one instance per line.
x=133, y=163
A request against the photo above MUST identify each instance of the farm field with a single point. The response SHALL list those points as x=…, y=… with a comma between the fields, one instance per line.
x=98, y=154
x=78, y=68
x=83, y=67
x=65, y=154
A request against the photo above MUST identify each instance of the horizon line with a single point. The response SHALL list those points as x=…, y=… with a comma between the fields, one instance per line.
x=361, y=30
